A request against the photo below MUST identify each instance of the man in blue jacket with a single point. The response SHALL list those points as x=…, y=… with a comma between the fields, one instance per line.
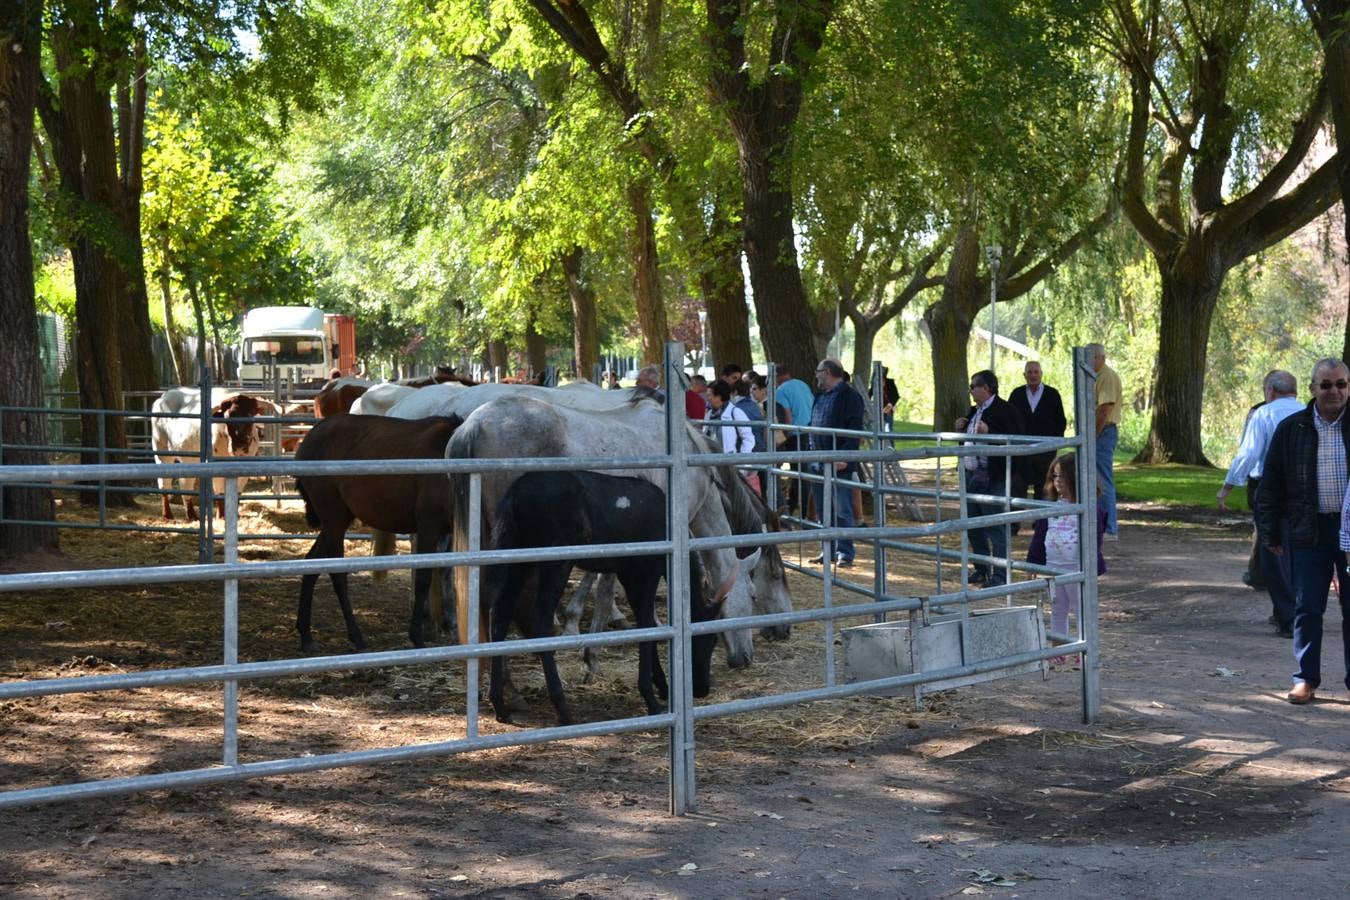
x=837, y=406
x=1298, y=512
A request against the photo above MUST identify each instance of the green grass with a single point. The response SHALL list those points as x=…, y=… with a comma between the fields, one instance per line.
x=1173, y=485
x=1165, y=484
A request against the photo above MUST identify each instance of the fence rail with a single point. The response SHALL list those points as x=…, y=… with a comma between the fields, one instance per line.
x=677, y=462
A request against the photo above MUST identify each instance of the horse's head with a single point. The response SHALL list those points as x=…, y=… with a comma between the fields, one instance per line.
x=244, y=436
x=771, y=588
x=735, y=597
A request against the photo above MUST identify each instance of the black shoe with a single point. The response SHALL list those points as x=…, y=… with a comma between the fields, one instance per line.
x=1272, y=619
x=977, y=578
x=1284, y=631
x=1255, y=584
x=816, y=560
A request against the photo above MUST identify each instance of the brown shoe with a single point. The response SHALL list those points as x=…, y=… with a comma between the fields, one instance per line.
x=1300, y=694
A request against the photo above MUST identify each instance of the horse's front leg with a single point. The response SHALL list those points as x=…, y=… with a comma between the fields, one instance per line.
x=642, y=598
x=571, y=614
x=325, y=548
x=552, y=581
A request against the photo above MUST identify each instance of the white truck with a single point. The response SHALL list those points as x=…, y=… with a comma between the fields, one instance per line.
x=301, y=341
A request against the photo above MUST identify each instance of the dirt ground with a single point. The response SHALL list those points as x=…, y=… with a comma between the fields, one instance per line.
x=1198, y=780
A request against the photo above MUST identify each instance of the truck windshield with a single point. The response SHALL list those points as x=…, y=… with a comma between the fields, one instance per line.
x=284, y=351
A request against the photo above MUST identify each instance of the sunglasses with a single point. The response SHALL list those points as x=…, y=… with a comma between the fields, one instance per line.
x=1340, y=384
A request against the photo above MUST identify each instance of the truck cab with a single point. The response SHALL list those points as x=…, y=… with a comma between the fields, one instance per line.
x=304, y=343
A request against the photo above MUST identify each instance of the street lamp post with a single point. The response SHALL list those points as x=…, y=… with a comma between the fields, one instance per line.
x=993, y=255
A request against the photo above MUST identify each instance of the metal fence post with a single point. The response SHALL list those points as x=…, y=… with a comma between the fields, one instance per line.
x=682, y=782
x=771, y=414
x=827, y=520
x=102, y=460
x=231, y=623
x=470, y=629
x=878, y=472
x=204, y=531
x=1085, y=425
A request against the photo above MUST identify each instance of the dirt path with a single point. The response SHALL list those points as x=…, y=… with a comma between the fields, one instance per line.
x=1198, y=781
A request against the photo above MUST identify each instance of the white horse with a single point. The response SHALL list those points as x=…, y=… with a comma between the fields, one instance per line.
x=380, y=398
x=512, y=427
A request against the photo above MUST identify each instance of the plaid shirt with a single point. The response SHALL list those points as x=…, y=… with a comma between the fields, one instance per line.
x=1331, y=467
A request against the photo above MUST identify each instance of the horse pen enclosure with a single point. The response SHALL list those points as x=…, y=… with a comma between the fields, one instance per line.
x=156, y=643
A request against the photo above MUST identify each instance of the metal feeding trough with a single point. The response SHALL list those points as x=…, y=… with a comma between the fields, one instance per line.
x=887, y=649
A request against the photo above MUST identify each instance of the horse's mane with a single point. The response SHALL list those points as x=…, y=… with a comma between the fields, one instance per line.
x=746, y=512
x=641, y=393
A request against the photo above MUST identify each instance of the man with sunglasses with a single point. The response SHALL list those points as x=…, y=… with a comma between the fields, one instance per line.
x=1298, y=512
x=1281, y=390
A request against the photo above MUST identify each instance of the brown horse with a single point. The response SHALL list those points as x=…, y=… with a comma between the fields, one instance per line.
x=338, y=395
x=397, y=503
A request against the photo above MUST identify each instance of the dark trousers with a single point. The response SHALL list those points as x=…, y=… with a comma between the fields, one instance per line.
x=1280, y=580
x=1256, y=558
x=792, y=444
x=1312, y=567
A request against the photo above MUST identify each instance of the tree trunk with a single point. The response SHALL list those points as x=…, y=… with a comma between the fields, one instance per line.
x=171, y=332
x=138, y=361
x=536, y=348
x=864, y=336
x=723, y=289
x=20, y=366
x=586, y=336
x=1331, y=18
x=82, y=136
x=949, y=323
x=651, y=306
x=781, y=307
x=499, y=360
x=222, y=371
x=1190, y=294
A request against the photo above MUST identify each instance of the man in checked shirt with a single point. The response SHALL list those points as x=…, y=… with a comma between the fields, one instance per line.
x=1302, y=489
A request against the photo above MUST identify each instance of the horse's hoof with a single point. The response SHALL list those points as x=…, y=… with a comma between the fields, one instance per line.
x=505, y=718
x=588, y=678
x=309, y=646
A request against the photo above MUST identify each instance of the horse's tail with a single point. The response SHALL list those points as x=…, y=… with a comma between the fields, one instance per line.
x=504, y=530
x=311, y=516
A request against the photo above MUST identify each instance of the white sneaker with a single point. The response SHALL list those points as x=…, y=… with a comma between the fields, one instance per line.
x=1109, y=536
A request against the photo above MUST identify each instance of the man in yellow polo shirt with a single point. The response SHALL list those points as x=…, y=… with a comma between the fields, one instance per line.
x=1109, y=402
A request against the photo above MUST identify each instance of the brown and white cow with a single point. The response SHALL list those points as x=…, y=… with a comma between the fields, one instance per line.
x=179, y=439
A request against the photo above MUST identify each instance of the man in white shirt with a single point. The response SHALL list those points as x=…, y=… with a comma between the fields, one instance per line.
x=1280, y=389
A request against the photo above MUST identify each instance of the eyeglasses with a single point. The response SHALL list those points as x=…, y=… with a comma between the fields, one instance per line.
x=1340, y=384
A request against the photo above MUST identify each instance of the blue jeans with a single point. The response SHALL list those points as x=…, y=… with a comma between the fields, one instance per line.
x=1312, y=567
x=843, y=507
x=990, y=541
x=1280, y=579
x=1106, y=479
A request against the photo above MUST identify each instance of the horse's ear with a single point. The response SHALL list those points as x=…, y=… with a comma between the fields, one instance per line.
x=753, y=559
x=225, y=405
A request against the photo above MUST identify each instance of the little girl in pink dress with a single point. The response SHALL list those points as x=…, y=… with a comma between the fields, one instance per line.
x=1054, y=542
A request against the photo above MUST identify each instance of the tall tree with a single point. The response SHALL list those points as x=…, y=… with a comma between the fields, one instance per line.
x=20, y=368
x=1331, y=19
x=761, y=96
x=1226, y=98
